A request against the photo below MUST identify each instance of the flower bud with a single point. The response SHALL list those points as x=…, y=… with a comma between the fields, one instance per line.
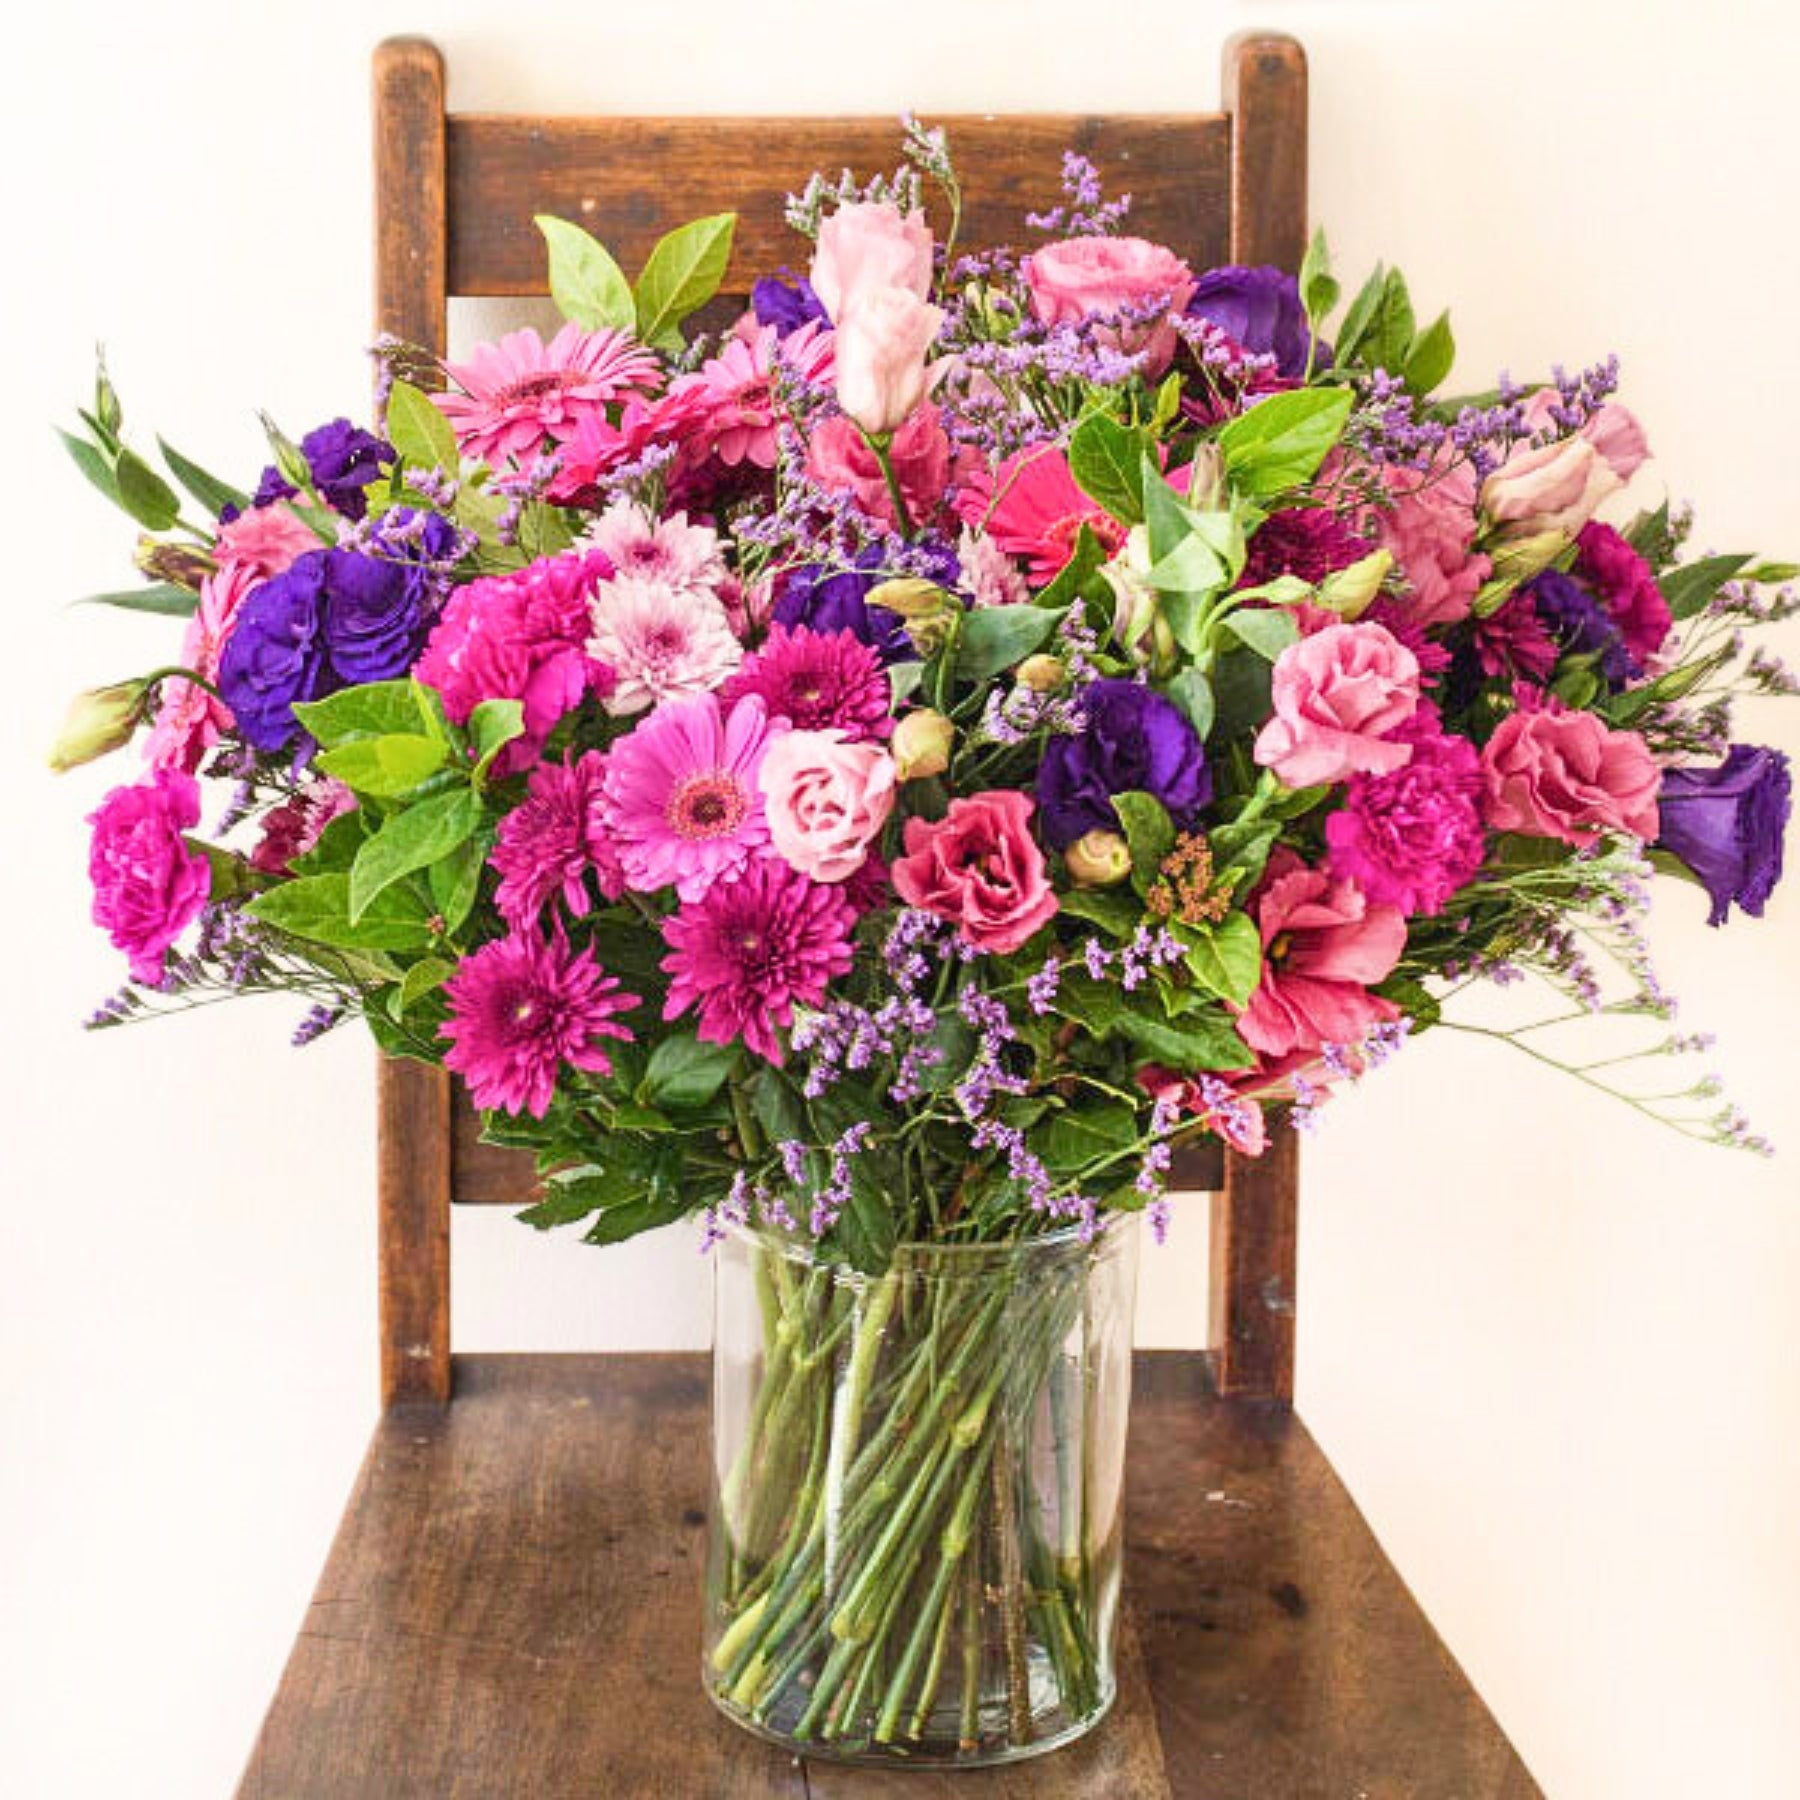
x=1138, y=626
x=1522, y=558
x=1350, y=592
x=921, y=744
x=1098, y=859
x=1043, y=674
x=1206, y=479
x=185, y=565
x=97, y=723
x=911, y=596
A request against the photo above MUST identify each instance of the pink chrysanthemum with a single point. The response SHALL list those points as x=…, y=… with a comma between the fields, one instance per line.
x=519, y=391
x=668, y=550
x=1304, y=541
x=661, y=642
x=552, y=840
x=748, y=950
x=818, y=681
x=736, y=391
x=680, y=794
x=523, y=637
x=523, y=1007
x=1513, y=641
x=988, y=574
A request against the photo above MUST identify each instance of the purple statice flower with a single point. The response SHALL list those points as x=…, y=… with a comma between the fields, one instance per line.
x=1040, y=990
x=830, y=1200
x=1582, y=626
x=317, y=1022
x=1726, y=824
x=1135, y=740
x=1017, y=714
x=787, y=305
x=1259, y=307
x=1084, y=212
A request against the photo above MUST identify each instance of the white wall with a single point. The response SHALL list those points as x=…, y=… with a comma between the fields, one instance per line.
x=1552, y=1351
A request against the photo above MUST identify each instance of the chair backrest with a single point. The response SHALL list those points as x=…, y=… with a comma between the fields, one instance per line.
x=455, y=195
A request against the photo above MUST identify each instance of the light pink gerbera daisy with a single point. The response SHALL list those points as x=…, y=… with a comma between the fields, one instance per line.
x=748, y=950
x=818, y=681
x=660, y=642
x=668, y=550
x=680, y=795
x=552, y=840
x=519, y=391
x=521, y=1009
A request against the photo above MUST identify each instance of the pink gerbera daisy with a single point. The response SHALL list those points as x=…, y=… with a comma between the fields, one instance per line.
x=600, y=447
x=668, y=550
x=521, y=1009
x=818, y=681
x=1037, y=512
x=680, y=795
x=552, y=840
x=748, y=950
x=519, y=391
x=737, y=390
x=661, y=642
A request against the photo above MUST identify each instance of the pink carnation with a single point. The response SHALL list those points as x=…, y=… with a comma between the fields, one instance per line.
x=1413, y=838
x=268, y=538
x=148, y=885
x=524, y=1008
x=838, y=457
x=1431, y=532
x=745, y=952
x=1325, y=944
x=1337, y=696
x=552, y=840
x=189, y=719
x=989, y=575
x=1627, y=588
x=524, y=637
x=817, y=681
x=1564, y=775
x=980, y=867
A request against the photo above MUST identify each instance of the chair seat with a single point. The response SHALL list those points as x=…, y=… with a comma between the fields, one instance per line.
x=511, y=1608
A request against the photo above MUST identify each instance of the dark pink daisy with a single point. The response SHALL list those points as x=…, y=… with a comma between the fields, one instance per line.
x=818, y=681
x=748, y=950
x=552, y=840
x=521, y=1010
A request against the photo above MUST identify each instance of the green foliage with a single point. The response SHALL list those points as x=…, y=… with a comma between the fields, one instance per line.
x=685, y=1073
x=1106, y=459
x=586, y=284
x=994, y=638
x=387, y=766
x=1281, y=441
x=317, y=908
x=409, y=840
x=1268, y=630
x=380, y=708
x=161, y=597
x=212, y=493
x=419, y=431
x=1148, y=831
x=1693, y=587
x=1225, y=960
x=681, y=274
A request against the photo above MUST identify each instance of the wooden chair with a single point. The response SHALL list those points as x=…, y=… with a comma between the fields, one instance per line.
x=511, y=1606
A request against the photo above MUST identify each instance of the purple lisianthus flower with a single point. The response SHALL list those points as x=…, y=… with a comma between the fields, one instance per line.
x=787, y=305
x=1582, y=626
x=1726, y=824
x=1132, y=740
x=344, y=460
x=377, y=615
x=827, y=600
x=275, y=655
x=272, y=487
x=1259, y=308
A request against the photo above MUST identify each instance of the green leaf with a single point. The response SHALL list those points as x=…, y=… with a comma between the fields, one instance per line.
x=212, y=493
x=1392, y=332
x=1268, y=630
x=682, y=273
x=775, y=1106
x=162, y=597
x=336, y=847
x=1192, y=692
x=1319, y=291
x=428, y=973
x=585, y=282
x=1241, y=687
x=144, y=494
x=996, y=637
x=1649, y=535
x=1073, y=1139
x=454, y=881
x=1241, y=851
x=1201, y=1040
x=1691, y=588
x=1280, y=442
x=1361, y=315
x=1431, y=356
x=685, y=1073
x=1088, y=557
x=1105, y=458
x=378, y=709
x=1148, y=831
x=419, y=431
x=92, y=463
x=409, y=840
x=492, y=726
x=317, y=907
x=386, y=766
x=1115, y=911
x=1226, y=959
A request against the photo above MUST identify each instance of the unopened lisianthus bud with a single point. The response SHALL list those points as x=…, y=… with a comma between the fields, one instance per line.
x=1098, y=859
x=1522, y=558
x=1206, y=479
x=1043, y=674
x=97, y=723
x=185, y=565
x=921, y=744
x=911, y=596
x=1350, y=592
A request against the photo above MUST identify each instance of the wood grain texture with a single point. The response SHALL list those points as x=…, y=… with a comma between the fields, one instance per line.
x=1265, y=98
x=628, y=180
x=413, y=1205
x=512, y=1608
x=1254, y=1241
x=410, y=234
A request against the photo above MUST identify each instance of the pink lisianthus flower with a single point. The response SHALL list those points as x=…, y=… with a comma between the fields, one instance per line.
x=296, y=825
x=680, y=798
x=980, y=867
x=1088, y=277
x=268, y=539
x=1213, y=1103
x=1035, y=510
x=817, y=681
x=1325, y=944
x=826, y=799
x=1413, y=837
x=660, y=642
x=148, y=885
x=1557, y=486
x=733, y=394
x=881, y=345
x=1337, y=696
x=745, y=952
x=1627, y=589
x=838, y=457
x=865, y=247
x=552, y=841
x=521, y=636
x=190, y=719
x=1431, y=533
x=669, y=550
x=1565, y=775
x=519, y=393
x=522, y=1009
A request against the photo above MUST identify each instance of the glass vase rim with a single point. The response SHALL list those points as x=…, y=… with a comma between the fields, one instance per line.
x=1115, y=1230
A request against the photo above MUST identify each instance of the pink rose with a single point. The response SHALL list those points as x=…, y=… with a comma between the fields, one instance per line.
x=1430, y=533
x=268, y=538
x=881, y=345
x=980, y=866
x=1337, y=694
x=148, y=884
x=1565, y=775
x=1325, y=944
x=1082, y=277
x=866, y=247
x=826, y=800
x=920, y=452
x=188, y=718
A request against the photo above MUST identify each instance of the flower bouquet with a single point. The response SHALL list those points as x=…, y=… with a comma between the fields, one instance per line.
x=881, y=778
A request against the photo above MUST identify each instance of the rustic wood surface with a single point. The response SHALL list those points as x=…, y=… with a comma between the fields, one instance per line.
x=1254, y=1242
x=512, y=1608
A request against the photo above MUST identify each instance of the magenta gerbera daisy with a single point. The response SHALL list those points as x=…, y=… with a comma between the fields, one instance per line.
x=552, y=840
x=680, y=796
x=747, y=951
x=818, y=681
x=519, y=391
x=521, y=1010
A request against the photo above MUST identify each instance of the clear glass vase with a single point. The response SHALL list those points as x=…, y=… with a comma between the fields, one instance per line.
x=918, y=1495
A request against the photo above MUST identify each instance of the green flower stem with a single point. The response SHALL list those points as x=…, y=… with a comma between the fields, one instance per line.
x=878, y=441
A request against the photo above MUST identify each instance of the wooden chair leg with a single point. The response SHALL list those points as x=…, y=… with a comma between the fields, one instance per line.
x=414, y=1183
x=1265, y=94
x=1254, y=1220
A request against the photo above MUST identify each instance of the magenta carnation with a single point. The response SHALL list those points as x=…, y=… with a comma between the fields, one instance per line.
x=748, y=950
x=524, y=637
x=1412, y=838
x=818, y=681
x=148, y=884
x=1626, y=587
x=680, y=795
x=520, y=1009
x=1307, y=542
x=552, y=840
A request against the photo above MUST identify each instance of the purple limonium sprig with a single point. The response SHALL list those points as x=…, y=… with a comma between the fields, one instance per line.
x=1021, y=713
x=1084, y=211
x=1040, y=990
x=318, y=1021
x=830, y=1201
